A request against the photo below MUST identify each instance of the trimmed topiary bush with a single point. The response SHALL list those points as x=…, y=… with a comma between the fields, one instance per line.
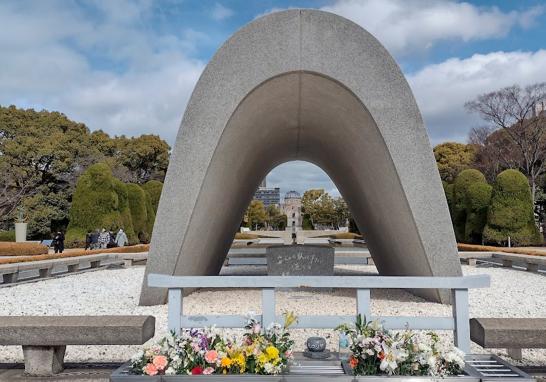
x=125, y=211
x=511, y=212
x=153, y=188
x=99, y=201
x=142, y=213
x=478, y=197
x=459, y=204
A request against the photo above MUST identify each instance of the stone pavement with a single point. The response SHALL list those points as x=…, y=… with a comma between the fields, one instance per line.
x=79, y=372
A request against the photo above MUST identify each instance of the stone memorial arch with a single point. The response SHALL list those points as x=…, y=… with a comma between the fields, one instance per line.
x=313, y=86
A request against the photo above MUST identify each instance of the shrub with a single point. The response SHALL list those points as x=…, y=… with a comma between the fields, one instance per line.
x=7, y=235
x=306, y=223
x=345, y=235
x=99, y=201
x=245, y=236
x=142, y=213
x=22, y=249
x=478, y=197
x=153, y=188
x=25, y=259
x=511, y=211
x=460, y=200
x=125, y=211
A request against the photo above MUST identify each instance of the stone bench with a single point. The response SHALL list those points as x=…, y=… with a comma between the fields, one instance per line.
x=512, y=334
x=10, y=272
x=532, y=262
x=44, y=338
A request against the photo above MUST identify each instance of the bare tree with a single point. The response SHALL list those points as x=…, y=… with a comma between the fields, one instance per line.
x=513, y=110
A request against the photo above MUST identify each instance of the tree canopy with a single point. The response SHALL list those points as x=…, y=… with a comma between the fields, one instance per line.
x=43, y=153
x=452, y=158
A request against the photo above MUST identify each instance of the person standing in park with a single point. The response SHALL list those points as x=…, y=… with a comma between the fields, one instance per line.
x=58, y=242
x=121, y=238
x=95, y=239
x=104, y=239
x=88, y=240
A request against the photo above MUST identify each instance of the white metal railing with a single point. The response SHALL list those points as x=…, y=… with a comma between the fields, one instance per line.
x=458, y=323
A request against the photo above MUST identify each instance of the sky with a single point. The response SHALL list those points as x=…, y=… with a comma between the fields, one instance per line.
x=129, y=67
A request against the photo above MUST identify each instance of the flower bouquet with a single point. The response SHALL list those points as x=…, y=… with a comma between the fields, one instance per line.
x=375, y=351
x=194, y=352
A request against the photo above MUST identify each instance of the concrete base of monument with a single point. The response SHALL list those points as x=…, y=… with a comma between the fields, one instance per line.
x=300, y=260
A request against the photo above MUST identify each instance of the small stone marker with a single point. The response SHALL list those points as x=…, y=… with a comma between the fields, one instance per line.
x=300, y=260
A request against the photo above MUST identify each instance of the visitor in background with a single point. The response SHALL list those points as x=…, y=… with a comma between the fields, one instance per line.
x=121, y=238
x=111, y=240
x=95, y=239
x=88, y=240
x=58, y=242
x=104, y=239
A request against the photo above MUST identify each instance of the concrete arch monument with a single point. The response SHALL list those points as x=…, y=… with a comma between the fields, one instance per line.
x=303, y=85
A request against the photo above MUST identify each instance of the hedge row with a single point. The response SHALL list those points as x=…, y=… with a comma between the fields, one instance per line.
x=128, y=249
x=486, y=248
x=22, y=249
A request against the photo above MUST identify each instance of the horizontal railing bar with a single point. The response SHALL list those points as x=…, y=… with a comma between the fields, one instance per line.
x=352, y=282
x=220, y=321
x=321, y=322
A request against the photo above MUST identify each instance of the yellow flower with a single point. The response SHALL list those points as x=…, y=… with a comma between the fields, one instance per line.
x=226, y=362
x=272, y=352
x=240, y=361
x=289, y=319
x=262, y=358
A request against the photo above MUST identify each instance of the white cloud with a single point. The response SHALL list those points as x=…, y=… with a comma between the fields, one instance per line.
x=220, y=12
x=442, y=89
x=406, y=26
x=109, y=73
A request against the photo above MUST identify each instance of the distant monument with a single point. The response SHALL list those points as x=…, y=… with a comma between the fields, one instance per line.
x=292, y=209
x=303, y=85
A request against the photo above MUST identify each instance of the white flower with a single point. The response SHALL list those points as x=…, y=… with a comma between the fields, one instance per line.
x=431, y=361
x=392, y=355
x=268, y=367
x=170, y=371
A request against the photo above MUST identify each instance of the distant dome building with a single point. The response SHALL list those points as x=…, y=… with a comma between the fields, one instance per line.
x=292, y=209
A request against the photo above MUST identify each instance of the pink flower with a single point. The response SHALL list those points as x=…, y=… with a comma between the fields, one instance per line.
x=257, y=328
x=195, y=346
x=208, y=370
x=160, y=362
x=211, y=356
x=150, y=369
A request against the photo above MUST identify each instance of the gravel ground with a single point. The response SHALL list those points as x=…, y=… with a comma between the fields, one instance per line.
x=512, y=294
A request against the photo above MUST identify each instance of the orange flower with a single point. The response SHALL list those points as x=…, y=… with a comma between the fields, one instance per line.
x=353, y=362
x=150, y=369
x=160, y=362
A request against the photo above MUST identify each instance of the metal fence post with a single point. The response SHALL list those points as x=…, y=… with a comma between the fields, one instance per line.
x=461, y=332
x=175, y=310
x=268, y=306
x=363, y=302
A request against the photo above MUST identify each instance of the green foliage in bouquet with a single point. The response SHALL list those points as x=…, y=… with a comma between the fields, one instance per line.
x=259, y=351
x=375, y=351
